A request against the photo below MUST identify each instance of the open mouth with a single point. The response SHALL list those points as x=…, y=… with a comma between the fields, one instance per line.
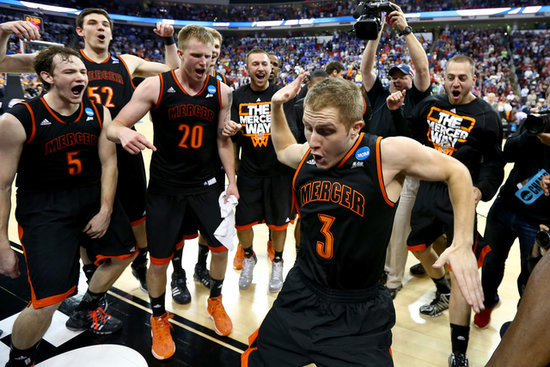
x=455, y=93
x=260, y=77
x=101, y=37
x=200, y=72
x=318, y=158
x=77, y=90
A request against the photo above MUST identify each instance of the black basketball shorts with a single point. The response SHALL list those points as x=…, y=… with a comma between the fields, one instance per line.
x=132, y=184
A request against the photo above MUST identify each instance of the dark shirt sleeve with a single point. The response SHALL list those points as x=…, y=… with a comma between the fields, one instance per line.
x=515, y=149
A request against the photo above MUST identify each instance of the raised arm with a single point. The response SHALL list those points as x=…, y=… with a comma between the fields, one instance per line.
x=368, y=59
x=403, y=156
x=119, y=131
x=18, y=63
x=142, y=68
x=98, y=225
x=416, y=51
x=12, y=140
x=288, y=151
x=225, y=146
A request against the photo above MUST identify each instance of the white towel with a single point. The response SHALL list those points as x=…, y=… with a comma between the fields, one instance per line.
x=226, y=230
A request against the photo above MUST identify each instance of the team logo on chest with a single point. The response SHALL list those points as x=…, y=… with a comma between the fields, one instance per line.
x=448, y=129
x=256, y=121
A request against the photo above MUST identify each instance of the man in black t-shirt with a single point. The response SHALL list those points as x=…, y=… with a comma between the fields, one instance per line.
x=264, y=183
x=417, y=85
x=467, y=128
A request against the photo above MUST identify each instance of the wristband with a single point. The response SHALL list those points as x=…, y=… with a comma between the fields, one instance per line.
x=169, y=40
x=408, y=29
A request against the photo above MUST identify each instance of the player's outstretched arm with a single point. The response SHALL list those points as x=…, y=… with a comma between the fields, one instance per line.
x=225, y=146
x=98, y=225
x=18, y=63
x=288, y=151
x=403, y=156
x=119, y=131
x=11, y=145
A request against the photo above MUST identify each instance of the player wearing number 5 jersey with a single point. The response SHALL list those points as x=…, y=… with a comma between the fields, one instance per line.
x=66, y=179
x=331, y=310
x=188, y=109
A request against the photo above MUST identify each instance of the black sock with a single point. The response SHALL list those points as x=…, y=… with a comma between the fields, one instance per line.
x=89, y=301
x=22, y=357
x=141, y=257
x=203, y=255
x=89, y=271
x=157, y=305
x=278, y=256
x=459, y=338
x=248, y=252
x=176, y=260
x=216, y=287
x=442, y=285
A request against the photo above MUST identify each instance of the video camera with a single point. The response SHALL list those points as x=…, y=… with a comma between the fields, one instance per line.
x=369, y=21
x=537, y=123
x=542, y=239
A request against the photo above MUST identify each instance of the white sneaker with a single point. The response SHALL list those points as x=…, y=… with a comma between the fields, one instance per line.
x=276, y=281
x=245, y=278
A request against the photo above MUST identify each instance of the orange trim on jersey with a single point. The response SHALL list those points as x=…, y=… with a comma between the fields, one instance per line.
x=251, y=339
x=161, y=78
x=160, y=261
x=484, y=253
x=379, y=171
x=180, y=244
x=54, y=114
x=419, y=247
x=128, y=70
x=190, y=236
x=365, y=105
x=391, y=354
x=99, y=258
x=87, y=58
x=138, y=222
x=247, y=226
x=33, y=131
x=48, y=301
x=351, y=151
x=97, y=114
x=294, y=199
x=277, y=228
x=184, y=91
x=219, y=93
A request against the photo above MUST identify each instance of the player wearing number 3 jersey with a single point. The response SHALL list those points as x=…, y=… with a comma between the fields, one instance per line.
x=331, y=310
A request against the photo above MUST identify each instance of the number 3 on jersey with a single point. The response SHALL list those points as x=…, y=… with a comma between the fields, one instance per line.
x=325, y=249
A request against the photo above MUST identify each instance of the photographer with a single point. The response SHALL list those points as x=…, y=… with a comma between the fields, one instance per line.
x=417, y=87
x=518, y=209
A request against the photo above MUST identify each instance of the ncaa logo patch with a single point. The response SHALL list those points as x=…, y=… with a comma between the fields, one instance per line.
x=89, y=111
x=211, y=89
x=362, y=153
x=219, y=78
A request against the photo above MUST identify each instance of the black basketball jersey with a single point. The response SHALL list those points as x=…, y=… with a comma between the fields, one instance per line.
x=346, y=218
x=221, y=77
x=185, y=134
x=60, y=151
x=109, y=82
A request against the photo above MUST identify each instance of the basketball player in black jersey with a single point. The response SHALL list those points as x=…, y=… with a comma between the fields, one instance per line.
x=331, y=311
x=188, y=110
x=66, y=179
x=467, y=128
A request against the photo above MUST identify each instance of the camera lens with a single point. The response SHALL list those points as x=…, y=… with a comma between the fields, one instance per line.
x=543, y=239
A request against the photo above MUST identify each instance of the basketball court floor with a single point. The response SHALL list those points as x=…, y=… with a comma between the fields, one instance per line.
x=417, y=341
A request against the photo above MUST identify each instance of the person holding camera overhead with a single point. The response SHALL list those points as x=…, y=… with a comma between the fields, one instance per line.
x=417, y=86
x=519, y=209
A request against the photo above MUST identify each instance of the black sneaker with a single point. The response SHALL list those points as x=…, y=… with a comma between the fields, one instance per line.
x=140, y=272
x=393, y=291
x=97, y=321
x=417, y=269
x=458, y=360
x=439, y=304
x=180, y=293
x=202, y=275
x=102, y=303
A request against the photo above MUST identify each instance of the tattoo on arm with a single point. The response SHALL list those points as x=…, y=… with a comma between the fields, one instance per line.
x=230, y=103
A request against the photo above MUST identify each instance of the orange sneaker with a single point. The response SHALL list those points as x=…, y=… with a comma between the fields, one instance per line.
x=270, y=250
x=239, y=257
x=163, y=345
x=222, y=322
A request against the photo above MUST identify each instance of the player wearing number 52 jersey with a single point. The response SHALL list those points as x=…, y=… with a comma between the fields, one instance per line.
x=346, y=186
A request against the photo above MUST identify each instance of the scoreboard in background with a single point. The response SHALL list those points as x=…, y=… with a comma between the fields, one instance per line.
x=37, y=21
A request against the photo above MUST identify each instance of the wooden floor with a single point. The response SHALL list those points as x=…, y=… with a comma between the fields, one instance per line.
x=417, y=341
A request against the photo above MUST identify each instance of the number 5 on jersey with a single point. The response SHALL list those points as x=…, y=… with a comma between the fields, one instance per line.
x=325, y=249
x=74, y=164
